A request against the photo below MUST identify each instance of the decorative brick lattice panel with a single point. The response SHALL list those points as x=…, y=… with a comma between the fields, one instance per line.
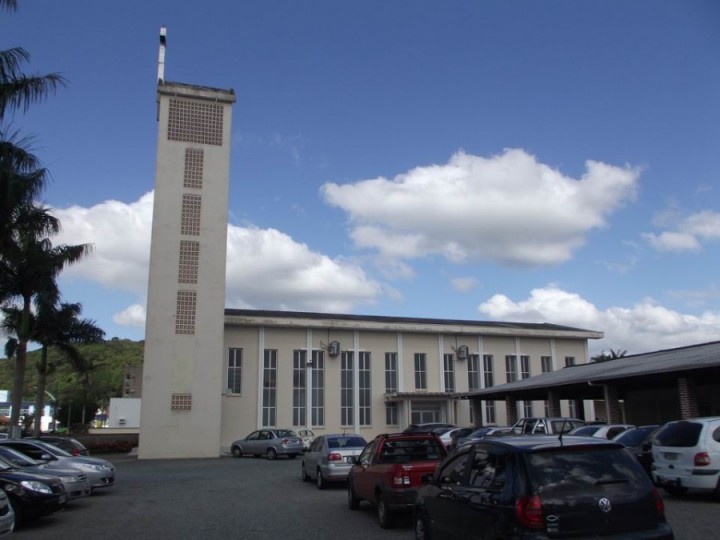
x=190, y=218
x=181, y=402
x=193, y=175
x=189, y=258
x=194, y=122
x=185, y=312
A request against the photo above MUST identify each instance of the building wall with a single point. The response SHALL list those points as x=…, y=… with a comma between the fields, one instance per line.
x=124, y=413
x=242, y=412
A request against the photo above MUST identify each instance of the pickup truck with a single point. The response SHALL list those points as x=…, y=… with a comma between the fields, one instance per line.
x=388, y=472
x=544, y=425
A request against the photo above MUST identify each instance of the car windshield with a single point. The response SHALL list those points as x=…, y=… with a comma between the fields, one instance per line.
x=587, y=430
x=285, y=433
x=54, y=450
x=632, y=437
x=19, y=459
x=404, y=451
x=6, y=465
x=575, y=467
x=346, y=442
x=680, y=434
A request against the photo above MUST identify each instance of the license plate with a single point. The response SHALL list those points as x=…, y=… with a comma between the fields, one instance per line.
x=670, y=457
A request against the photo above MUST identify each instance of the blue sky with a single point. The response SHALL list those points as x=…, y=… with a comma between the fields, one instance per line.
x=544, y=161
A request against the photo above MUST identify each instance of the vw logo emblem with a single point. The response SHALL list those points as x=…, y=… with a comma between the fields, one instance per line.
x=605, y=505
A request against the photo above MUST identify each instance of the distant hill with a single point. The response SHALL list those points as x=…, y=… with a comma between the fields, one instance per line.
x=108, y=361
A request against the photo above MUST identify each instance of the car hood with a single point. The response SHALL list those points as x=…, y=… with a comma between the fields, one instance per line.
x=18, y=475
x=89, y=461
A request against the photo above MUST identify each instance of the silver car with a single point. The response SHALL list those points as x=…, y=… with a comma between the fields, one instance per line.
x=75, y=481
x=330, y=458
x=270, y=443
x=100, y=472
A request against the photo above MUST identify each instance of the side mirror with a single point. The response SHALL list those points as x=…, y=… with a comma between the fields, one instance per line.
x=45, y=457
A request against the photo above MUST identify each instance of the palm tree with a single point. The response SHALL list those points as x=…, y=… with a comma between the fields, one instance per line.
x=61, y=328
x=28, y=271
x=609, y=355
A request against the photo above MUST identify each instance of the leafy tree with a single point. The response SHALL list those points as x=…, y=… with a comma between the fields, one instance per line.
x=609, y=355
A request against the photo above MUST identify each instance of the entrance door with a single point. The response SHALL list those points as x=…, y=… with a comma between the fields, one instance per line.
x=426, y=413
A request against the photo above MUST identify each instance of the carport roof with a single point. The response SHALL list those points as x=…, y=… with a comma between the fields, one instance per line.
x=693, y=357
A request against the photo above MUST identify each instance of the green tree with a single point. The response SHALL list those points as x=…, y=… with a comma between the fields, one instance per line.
x=609, y=355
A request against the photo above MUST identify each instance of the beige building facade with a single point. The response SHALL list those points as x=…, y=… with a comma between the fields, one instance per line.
x=371, y=375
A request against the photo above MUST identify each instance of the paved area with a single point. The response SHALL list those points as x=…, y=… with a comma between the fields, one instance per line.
x=252, y=498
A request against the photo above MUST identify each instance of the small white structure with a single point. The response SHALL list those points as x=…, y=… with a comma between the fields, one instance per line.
x=124, y=413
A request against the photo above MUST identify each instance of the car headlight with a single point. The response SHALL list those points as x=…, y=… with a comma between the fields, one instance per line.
x=68, y=479
x=93, y=467
x=36, y=486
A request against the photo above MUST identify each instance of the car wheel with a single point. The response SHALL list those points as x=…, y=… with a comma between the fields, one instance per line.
x=353, y=501
x=236, y=452
x=321, y=483
x=385, y=518
x=19, y=516
x=271, y=453
x=676, y=491
x=422, y=528
x=305, y=475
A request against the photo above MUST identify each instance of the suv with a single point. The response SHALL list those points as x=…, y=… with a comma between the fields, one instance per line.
x=686, y=454
x=544, y=425
x=387, y=472
x=539, y=487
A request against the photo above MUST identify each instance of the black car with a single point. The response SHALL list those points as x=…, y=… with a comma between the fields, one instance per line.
x=535, y=487
x=32, y=495
x=638, y=441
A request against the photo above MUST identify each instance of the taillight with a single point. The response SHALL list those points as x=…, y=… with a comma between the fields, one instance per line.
x=400, y=477
x=528, y=510
x=285, y=441
x=334, y=456
x=75, y=452
x=702, y=459
x=659, y=504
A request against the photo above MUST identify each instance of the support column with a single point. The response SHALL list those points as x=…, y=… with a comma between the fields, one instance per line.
x=688, y=398
x=511, y=410
x=553, y=404
x=476, y=405
x=612, y=404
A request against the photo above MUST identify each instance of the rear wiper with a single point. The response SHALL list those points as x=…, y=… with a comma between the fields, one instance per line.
x=612, y=481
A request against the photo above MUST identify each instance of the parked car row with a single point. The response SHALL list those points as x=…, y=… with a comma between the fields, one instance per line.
x=493, y=483
x=38, y=478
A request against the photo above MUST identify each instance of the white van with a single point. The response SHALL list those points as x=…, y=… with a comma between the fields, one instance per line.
x=686, y=455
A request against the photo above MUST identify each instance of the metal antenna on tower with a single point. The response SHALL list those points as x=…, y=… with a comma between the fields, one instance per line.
x=161, y=56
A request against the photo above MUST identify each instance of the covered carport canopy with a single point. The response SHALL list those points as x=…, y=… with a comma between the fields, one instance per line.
x=697, y=365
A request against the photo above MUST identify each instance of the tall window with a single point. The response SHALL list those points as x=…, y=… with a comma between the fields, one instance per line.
x=546, y=404
x=546, y=362
x=391, y=372
x=234, y=375
x=391, y=413
x=474, y=372
x=490, y=412
x=527, y=409
x=420, y=371
x=569, y=361
x=572, y=404
x=449, y=371
x=364, y=388
x=346, y=389
x=317, y=398
x=269, y=397
x=299, y=388
x=511, y=367
x=524, y=367
x=488, y=370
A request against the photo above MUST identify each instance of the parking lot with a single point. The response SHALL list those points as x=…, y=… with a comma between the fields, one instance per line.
x=253, y=498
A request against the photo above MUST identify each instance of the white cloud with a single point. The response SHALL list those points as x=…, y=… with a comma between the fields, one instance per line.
x=132, y=316
x=508, y=208
x=647, y=326
x=464, y=284
x=688, y=232
x=266, y=269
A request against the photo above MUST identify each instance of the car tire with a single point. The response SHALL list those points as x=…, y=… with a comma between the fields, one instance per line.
x=422, y=527
x=17, y=508
x=353, y=500
x=321, y=483
x=236, y=452
x=305, y=475
x=385, y=517
x=675, y=491
x=271, y=454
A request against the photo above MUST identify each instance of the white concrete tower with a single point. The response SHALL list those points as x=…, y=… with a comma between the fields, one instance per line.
x=183, y=367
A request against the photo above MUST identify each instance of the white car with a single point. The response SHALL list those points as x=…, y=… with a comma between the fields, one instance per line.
x=686, y=455
x=601, y=431
x=307, y=437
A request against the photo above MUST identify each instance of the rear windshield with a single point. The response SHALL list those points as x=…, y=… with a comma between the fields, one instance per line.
x=411, y=450
x=573, y=467
x=346, y=442
x=586, y=430
x=632, y=437
x=680, y=434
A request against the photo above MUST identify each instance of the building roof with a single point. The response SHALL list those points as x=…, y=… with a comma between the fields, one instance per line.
x=409, y=324
x=689, y=358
